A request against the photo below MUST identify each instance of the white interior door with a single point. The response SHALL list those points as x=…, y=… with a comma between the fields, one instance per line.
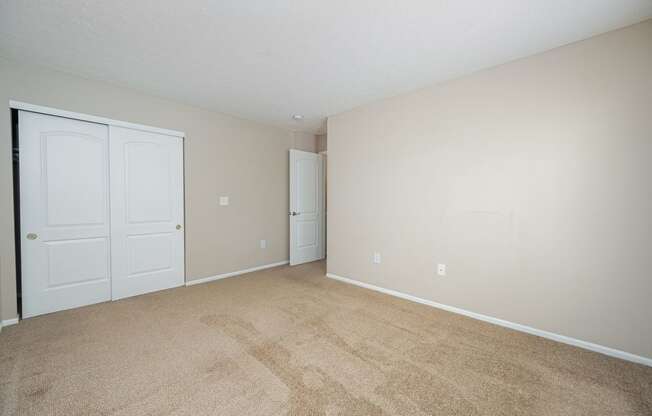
x=306, y=207
x=64, y=209
x=147, y=240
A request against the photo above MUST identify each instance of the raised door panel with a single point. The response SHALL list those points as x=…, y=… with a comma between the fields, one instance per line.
x=307, y=234
x=307, y=175
x=74, y=178
x=148, y=192
x=91, y=262
x=150, y=253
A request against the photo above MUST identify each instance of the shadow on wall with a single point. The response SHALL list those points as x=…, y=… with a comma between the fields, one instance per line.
x=322, y=142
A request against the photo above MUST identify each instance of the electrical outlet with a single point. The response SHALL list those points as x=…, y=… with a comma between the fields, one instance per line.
x=441, y=269
x=376, y=258
x=263, y=243
x=224, y=201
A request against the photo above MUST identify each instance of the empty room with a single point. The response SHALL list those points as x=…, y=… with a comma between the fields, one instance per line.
x=326, y=208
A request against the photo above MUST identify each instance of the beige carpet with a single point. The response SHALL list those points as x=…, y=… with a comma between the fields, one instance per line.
x=289, y=341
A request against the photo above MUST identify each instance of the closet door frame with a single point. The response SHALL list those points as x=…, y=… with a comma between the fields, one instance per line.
x=19, y=105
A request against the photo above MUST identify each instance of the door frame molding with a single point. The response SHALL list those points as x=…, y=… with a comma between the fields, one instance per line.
x=19, y=105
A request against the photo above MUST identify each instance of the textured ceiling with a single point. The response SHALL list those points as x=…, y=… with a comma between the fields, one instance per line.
x=268, y=59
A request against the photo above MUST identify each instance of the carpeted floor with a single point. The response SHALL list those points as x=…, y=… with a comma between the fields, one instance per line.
x=288, y=341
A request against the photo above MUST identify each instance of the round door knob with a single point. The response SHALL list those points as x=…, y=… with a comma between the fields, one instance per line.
x=178, y=226
x=32, y=236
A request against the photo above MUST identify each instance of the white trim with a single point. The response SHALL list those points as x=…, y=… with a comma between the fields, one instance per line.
x=507, y=324
x=236, y=273
x=8, y=322
x=18, y=105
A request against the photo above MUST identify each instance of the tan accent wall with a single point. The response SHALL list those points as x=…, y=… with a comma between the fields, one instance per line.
x=223, y=156
x=531, y=181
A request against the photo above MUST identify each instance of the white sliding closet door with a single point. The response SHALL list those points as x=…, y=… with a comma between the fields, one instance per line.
x=64, y=210
x=147, y=240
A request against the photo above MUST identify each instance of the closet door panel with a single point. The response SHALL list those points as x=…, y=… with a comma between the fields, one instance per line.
x=146, y=212
x=64, y=209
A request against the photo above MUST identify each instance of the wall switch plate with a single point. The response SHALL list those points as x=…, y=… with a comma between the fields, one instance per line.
x=224, y=201
x=263, y=243
x=441, y=269
x=376, y=258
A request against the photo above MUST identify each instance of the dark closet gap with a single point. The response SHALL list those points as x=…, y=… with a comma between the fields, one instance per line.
x=16, y=180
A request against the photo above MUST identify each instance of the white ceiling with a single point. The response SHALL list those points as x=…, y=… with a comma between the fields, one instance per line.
x=268, y=59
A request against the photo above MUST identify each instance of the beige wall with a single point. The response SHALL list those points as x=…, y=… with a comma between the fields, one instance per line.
x=304, y=141
x=531, y=181
x=223, y=156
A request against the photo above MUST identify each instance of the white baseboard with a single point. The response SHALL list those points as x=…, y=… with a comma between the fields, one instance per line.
x=8, y=322
x=236, y=273
x=507, y=324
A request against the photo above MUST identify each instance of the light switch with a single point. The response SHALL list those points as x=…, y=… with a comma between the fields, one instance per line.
x=263, y=243
x=224, y=201
x=376, y=258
